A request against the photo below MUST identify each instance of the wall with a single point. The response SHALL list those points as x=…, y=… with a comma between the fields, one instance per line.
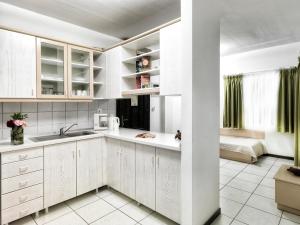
x=272, y=58
x=47, y=118
x=26, y=20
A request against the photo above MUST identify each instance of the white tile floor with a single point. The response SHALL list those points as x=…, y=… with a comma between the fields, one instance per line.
x=247, y=194
x=246, y=197
x=108, y=207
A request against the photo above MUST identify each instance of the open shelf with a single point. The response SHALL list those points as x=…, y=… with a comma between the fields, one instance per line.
x=97, y=67
x=155, y=54
x=142, y=91
x=80, y=82
x=152, y=72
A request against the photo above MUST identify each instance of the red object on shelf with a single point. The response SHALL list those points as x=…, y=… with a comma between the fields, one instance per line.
x=138, y=82
x=145, y=81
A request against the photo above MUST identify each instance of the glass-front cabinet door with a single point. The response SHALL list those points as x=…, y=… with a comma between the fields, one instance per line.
x=80, y=72
x=52, y=69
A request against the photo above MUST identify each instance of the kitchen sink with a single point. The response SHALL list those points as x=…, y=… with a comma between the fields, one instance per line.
x=57, y=136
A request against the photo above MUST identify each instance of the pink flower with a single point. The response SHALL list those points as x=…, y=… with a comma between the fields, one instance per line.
x=19, y=123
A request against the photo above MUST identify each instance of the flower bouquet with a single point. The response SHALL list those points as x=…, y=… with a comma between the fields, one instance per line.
x=17, y=124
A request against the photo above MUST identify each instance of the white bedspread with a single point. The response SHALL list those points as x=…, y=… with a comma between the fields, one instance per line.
x=251, y=146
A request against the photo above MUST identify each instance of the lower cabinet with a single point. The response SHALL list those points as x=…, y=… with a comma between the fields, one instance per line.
x=89, y=165
x=113, y=163
x=168, y=182
x=145, y=175
x=127, y=178
x=121, y=166
x=59, y=173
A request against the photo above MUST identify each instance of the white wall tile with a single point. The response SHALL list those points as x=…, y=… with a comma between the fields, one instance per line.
x=28, y=107
x=11, y=107
x=71, y=117
x=83, y=106
x=71, y=106
x=59, y=107
x=47, y=118
x=45, y=107
x=44, y=118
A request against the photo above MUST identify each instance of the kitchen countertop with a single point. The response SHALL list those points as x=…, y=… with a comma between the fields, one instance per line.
x=161, y=140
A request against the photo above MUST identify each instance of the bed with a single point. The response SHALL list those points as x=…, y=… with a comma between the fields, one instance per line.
x=241, y=145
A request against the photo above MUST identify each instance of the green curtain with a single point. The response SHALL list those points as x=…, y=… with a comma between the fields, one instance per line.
x=297, y=117
x=233, y=102
x=286, y=100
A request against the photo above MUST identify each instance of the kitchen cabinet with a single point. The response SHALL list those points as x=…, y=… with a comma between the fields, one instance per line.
x=145, y=175
x=168, y=181
x=113, y=73
x=59, y=173
x=127, y=174
x=18, y=65
x=171, y=60
x=52, y=69
x=113, y=163
x=89, y=165
x=80, y=72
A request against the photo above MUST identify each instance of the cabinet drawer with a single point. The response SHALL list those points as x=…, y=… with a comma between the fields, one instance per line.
x=19, y=211
x=22, y=155
x=20, y=182
x=22, y=167
x=21, y=196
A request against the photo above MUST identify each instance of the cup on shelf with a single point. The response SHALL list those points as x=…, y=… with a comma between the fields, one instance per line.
x=84, y=93
x=79, y=92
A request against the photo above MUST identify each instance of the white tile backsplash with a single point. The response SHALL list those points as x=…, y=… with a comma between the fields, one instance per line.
x=47, y=118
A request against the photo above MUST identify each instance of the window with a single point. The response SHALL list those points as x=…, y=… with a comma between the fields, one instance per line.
x=260, y=100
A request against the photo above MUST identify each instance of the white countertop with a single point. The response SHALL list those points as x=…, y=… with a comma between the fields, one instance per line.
x=161, y=140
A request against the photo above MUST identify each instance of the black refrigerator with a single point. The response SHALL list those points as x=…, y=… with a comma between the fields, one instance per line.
x=135, y=117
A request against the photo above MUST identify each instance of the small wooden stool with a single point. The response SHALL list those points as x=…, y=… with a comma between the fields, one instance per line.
x=287, y=190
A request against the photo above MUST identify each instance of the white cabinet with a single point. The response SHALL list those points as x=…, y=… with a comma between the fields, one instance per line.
x=89, y=165
x=145, y=175
x=59, y=173
x=113, y=73
x=171, y=60
x=18, y=65
x=113, y=163
x=168, y=181
x=127, y=174
x=121, y=166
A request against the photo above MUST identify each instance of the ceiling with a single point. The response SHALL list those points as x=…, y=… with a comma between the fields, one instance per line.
x=113, y=17
x=245, y=25
x=254, y=24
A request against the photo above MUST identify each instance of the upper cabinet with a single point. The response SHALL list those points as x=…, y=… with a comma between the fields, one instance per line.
x=171, y=60
x=63, y=71
x=99, y=61
x=18, y=65
x=51, y=69
x=80, y=72
x=113, y=73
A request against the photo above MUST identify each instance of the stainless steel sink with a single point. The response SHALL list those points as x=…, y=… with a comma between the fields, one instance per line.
x=57, y=136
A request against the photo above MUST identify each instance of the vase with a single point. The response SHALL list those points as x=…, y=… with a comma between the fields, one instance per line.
x=17, y=135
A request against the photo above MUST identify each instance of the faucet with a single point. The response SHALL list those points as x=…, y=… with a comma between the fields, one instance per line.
x=62, y=131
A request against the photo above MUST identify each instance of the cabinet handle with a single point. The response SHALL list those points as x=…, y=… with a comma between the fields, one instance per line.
x=152, y=161
x=79, y=153
x=23, y=198
x=32, y=92
x=157, y=162
x=23, y=183
x=23, y=156
x=73, y=154
x=23, y=169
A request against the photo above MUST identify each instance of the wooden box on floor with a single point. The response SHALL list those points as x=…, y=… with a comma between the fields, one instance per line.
x=287, y=190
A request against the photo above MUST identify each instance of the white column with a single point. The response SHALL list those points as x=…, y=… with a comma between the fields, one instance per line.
x=200, y=110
